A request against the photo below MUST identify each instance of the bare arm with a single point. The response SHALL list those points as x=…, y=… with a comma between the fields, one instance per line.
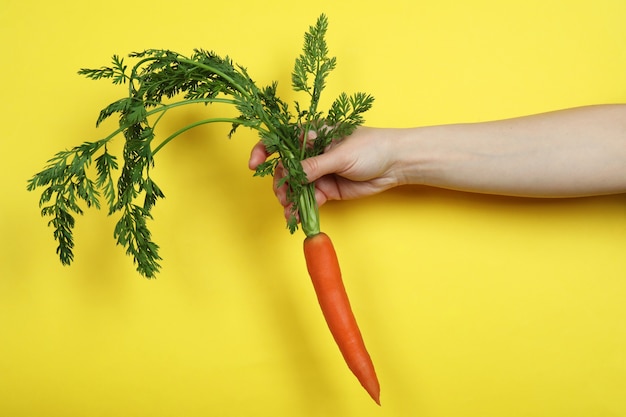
x=566, y=153
x=574, y=152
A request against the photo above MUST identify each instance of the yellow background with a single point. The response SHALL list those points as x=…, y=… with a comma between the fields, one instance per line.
x=470, y=305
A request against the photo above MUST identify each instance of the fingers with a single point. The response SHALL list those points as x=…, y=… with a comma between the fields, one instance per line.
x=280, y=190
x=280, y=187
x=258, y=155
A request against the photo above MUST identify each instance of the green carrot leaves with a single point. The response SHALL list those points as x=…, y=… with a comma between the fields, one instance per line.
x=159, y=80
x=117, y=71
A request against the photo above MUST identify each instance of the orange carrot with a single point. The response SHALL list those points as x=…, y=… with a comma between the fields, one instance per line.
x=325, y=273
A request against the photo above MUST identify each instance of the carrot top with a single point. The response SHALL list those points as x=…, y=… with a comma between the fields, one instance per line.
x=159, y=80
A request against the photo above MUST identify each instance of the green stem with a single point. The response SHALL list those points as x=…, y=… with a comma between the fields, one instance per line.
x=133, y=73
x=191, y=126
x=309, y=211
x=168, y=106
x=165, y=108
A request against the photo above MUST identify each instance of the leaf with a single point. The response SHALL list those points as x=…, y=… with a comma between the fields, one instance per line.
x=267, y=168
x=120, y=106
x=346, y=113
x=153, y=193
x=105, y=163
x=117, y=71
x=313, y=61
x=131, y=231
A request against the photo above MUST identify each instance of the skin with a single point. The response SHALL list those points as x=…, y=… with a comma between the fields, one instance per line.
x=567, y=153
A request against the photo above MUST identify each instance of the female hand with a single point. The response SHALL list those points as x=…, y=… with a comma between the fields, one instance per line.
x=356, y=166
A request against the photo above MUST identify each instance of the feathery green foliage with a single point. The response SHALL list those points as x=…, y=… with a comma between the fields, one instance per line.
x=160, y=80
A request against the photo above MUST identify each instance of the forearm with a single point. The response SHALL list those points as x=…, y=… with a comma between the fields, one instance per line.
x=575, y=152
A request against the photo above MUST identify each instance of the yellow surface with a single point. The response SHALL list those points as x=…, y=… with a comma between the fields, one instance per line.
x=470, y=305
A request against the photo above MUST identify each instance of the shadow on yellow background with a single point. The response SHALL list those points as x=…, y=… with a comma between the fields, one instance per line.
x=471, y=305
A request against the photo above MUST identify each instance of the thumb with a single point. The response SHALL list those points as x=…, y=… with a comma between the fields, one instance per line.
x=316, y=167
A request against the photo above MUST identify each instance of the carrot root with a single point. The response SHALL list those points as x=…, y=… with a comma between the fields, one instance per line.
x=323, y=267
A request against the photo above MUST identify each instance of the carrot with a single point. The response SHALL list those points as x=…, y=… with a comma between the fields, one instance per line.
x=323, y=267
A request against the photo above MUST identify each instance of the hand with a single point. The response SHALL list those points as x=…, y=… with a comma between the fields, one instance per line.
x=356, y=166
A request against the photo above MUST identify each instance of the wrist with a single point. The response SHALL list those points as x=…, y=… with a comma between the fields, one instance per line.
x=414, y=156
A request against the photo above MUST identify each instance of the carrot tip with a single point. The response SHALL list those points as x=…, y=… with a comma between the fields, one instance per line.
x=371, y=386
x=375, y=395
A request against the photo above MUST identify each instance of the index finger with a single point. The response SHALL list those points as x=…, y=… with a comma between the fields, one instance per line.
x=258, y=155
